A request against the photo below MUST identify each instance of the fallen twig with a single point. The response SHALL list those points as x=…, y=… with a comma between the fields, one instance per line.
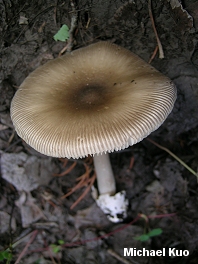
x=118, y=257
x=174, y=156
x=154, y=54
x=161, y=52
x=34, y=234
x=119, y=229
x=91, y=182
x=66, y=171
x=83, y=181
x=73, y=26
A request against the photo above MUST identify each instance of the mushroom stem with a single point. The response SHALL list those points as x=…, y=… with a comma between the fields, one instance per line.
x=104, y=173
x=113, y=204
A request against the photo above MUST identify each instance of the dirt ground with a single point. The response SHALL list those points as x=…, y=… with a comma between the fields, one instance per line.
x=36, y=225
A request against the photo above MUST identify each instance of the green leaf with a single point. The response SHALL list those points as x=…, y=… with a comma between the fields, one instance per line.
x=5, y=255
x=61, y=242
x=55, y=248
x=1, y=256
x=8, y=255
x=152, y=233
x=155, y=232
x=143, y=237
x=62, y=34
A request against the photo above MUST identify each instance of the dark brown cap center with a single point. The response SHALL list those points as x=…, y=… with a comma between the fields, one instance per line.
x=89, y=96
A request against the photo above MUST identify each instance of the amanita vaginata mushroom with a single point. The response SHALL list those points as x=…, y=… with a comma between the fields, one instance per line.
x=93, y=101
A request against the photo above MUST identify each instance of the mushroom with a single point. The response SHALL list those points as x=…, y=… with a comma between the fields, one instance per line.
x=93, y=101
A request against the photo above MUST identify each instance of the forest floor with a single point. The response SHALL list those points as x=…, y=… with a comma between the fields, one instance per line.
x=36, y=224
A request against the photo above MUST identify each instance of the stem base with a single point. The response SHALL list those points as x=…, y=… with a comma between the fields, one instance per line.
x=115, y=207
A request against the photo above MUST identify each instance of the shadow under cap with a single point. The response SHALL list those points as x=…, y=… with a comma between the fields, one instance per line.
x=96, y=99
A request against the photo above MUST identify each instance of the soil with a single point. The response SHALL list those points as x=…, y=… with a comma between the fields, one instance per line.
x=162, y=193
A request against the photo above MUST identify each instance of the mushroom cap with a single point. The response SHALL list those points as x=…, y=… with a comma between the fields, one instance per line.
x=96, y=99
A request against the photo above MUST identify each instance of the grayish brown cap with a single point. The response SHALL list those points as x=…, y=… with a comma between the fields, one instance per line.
x=97, y=99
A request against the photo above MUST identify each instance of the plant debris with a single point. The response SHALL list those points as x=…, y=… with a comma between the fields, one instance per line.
x=162, y=193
